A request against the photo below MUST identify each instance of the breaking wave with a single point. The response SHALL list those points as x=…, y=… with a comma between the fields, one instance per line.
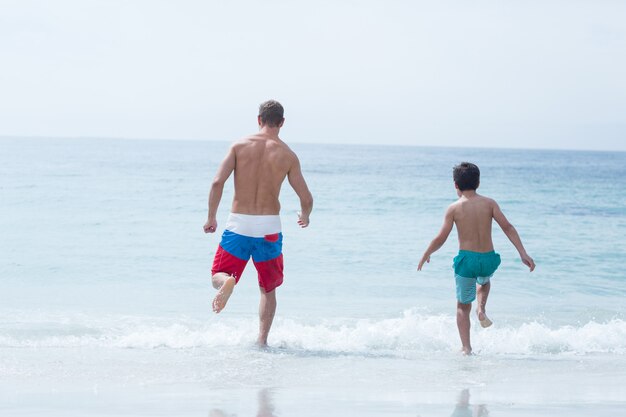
x=409, y=333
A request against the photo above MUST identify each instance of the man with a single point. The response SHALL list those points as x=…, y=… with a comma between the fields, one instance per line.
x=260, y=162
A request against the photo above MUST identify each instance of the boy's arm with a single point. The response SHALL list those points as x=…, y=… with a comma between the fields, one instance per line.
x=440, y=239
x=217, y=187
x=513, y=236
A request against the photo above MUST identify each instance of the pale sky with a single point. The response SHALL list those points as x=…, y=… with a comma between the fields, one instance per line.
x=538, y=74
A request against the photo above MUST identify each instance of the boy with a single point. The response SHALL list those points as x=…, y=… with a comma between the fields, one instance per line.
x=476, y=262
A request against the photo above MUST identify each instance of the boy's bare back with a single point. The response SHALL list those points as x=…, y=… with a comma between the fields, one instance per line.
x=473, y=216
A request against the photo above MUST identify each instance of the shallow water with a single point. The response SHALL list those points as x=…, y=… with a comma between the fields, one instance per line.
x=105, y=295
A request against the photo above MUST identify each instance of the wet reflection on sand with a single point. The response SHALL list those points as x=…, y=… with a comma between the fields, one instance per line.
x=265, y=406
x=464, y=409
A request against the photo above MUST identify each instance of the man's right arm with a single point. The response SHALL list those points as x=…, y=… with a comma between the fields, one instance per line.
x=217, y=187
x=297, y=182
x=510, y=232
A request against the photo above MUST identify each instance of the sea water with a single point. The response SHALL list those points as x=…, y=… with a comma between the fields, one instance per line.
x=105, y=295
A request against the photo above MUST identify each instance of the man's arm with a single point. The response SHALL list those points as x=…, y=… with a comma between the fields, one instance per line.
x=217, y=187
x=513, y=236
x=440, y=239
x=297, y=182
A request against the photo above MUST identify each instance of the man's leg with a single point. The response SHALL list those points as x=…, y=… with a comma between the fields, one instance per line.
x=481, y=296
x=267, y=308
x=463, y=323
x=266, y=407
x=225, y=284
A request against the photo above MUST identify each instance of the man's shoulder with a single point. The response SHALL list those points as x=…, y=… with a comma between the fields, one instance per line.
x=255, y=143
x=244, y=141
x=247, y=142
x=256, y=138
x=280, y=146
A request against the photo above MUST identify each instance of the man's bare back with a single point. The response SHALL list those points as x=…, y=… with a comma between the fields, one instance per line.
x=262, y=163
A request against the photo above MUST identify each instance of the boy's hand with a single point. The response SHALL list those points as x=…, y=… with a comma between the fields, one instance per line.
x=424, y=260
x=528, y=261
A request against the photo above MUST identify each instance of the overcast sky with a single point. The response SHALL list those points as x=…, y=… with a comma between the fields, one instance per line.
x=538, y=74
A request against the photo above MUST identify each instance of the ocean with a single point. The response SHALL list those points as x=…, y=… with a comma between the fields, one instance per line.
x=105, y=299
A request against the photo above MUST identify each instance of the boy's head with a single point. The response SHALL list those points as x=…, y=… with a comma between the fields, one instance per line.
x=466, y=176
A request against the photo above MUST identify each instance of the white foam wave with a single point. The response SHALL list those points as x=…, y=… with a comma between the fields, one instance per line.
x=412, y=332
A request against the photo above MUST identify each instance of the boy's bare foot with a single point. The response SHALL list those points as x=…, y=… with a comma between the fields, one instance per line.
x=222, y=296
x=466, y=351
x=483, y=319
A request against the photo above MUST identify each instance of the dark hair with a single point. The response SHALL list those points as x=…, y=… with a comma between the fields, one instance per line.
x=466, y=176
x=271, y=113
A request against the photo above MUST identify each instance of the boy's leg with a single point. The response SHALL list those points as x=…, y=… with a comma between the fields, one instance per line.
x=481, y=296
x=267, y=308
x=225, y=284
x=463, y=323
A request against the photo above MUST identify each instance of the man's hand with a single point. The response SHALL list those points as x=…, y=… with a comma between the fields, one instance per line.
x=528, y=261
x=303, y=221
x=210, y=226
x=425, y=259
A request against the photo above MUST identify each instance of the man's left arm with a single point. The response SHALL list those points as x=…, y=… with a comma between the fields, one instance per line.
x=297, y=182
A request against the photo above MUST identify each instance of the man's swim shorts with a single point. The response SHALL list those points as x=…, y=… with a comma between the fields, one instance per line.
x=471, y=268
x=251, y=235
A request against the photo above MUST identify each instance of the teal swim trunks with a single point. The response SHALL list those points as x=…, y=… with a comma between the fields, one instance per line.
x=471, y=268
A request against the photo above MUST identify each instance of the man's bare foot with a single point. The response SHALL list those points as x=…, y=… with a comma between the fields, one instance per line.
x=222, y=296
x=483, y=319
x=466, y=351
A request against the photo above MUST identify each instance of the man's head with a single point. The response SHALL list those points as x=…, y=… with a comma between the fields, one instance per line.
x=466, y=176
x=271, y=114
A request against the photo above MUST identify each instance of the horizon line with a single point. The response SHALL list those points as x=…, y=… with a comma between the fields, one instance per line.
x=394, y=144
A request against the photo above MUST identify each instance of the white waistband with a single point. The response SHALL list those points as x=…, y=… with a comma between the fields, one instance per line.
x=253, y=225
